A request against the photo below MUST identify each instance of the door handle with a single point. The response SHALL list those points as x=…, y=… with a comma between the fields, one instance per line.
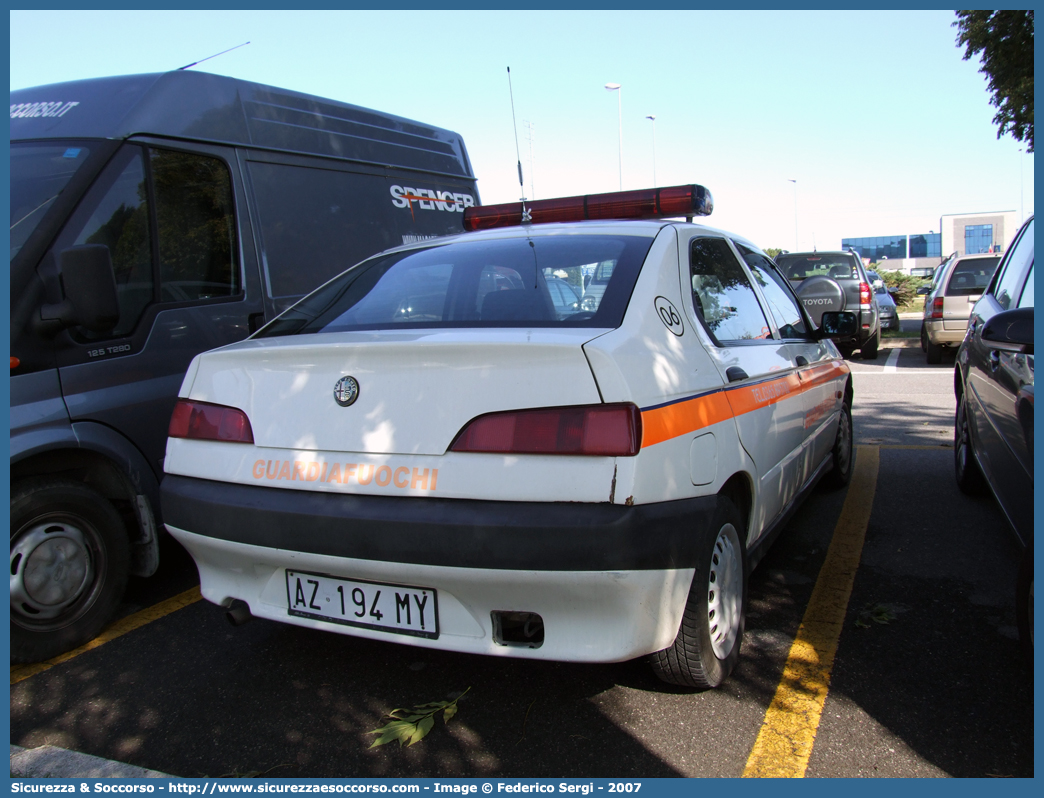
x=801, y=360
x=994, y=360
x=735, y=374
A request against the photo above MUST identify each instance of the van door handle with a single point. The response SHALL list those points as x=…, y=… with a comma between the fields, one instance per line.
x=735, y=374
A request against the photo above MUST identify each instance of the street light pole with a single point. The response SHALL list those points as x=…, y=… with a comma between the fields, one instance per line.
x=619, y=109
x=653, y=118
x=795, y=214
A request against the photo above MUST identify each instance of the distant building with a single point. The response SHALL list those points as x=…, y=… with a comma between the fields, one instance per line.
x=963, y=233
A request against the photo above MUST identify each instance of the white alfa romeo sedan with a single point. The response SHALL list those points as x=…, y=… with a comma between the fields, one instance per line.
x=568, y=434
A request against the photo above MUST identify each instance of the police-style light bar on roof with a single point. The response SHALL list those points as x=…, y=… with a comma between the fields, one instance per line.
x=649, y=203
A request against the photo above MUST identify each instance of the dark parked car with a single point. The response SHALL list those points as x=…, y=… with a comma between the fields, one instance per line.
x=835, y=281
x=993, y=435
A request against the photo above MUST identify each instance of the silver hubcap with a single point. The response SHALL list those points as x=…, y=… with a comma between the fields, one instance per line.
x=724, y=592
x=51, y=566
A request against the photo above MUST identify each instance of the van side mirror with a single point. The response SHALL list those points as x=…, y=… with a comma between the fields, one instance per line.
x=89, y=288
x=838, y=324
x=923, y=290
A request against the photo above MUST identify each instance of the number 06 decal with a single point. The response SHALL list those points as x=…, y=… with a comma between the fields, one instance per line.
x=669, y=315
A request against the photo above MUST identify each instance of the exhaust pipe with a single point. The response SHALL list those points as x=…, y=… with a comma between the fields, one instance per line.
x=238, y=613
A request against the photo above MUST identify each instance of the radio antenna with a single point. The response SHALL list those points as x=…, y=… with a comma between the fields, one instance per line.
x=525, y=213
x=200, y=61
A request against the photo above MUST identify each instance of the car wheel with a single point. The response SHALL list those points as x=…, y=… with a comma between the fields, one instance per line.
x=846, y=351
x=1024, y=603
x=966, y=468
x=843, y=453
x=924, y=338
x=69, y=564
x=934, y=351
x=708, y=643
x=869, y=350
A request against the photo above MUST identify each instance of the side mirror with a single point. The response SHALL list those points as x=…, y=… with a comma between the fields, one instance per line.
x=1010, y=331
x=89, y=286
x=923, y=290
x=893, y=292
x=838, y=324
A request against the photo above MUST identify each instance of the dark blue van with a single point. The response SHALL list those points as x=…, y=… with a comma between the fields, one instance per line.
x=154, y=217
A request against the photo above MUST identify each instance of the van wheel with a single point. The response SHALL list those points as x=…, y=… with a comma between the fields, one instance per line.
x=934, y=351
x=924, y=338
x=708, y=643
x=869, y=350
x=966, y=468
x=842, y=453
x=1024, y=603
x=70, y=558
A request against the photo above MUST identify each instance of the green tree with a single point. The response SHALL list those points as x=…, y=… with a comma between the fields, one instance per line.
x=772, y=252
x=1005, y=40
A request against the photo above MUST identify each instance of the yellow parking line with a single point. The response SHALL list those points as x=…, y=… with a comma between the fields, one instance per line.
x=121, y=627
x=784, y=744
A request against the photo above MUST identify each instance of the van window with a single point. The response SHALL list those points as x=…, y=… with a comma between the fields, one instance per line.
x=118, y=217
x=315, y=223
x=512, y=282
x=39, y=173
x=196, y=224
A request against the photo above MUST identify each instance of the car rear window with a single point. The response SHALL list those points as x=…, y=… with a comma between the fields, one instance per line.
x=799, y=267
x=970, y=277
x=542, y=281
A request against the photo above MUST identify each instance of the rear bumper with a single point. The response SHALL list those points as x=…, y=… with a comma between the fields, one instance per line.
x=609, y=581
x=948, y=332
x=534, y=536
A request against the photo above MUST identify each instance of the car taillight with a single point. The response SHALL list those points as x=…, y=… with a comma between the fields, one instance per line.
x=596, y=430
x=864, y=294
x=206, y=422
x=650, y=203
x=937, y=308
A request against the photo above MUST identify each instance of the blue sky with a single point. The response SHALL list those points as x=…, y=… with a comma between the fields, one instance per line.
x=874, y=114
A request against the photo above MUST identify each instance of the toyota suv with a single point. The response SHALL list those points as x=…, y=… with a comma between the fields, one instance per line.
x=836, y=281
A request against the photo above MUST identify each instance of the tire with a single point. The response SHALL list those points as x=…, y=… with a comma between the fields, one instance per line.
x=846, y=351
x=966, y=468
x=842, y=453
x=1024, y=603
x=933, y=351
x=708, y=643
x=70, y=558
x=869, y=350
x=924, y=338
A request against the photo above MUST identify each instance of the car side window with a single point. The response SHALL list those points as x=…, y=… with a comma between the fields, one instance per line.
x=722, y=295
x=1026, y=300
x=781, y=302
x=1019, y=260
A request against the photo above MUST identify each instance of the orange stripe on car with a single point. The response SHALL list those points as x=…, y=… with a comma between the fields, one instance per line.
x=688, y=415
x=669, y=421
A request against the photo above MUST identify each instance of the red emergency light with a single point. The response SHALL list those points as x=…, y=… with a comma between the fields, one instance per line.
x=648, y=203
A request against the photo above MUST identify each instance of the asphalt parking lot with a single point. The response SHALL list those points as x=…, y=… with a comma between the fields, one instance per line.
x=925, y=676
